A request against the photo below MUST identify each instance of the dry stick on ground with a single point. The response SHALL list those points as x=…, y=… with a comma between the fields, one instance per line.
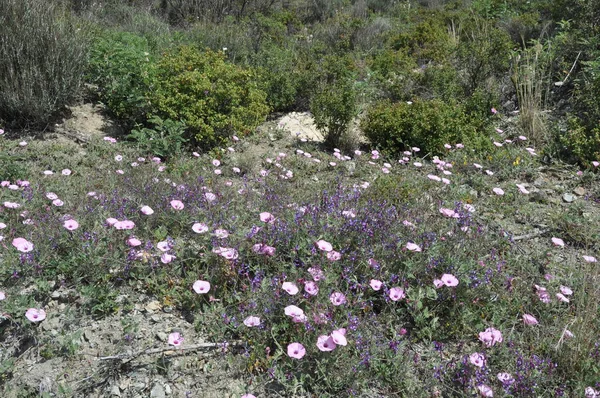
x=531, y=235
x=128, y=357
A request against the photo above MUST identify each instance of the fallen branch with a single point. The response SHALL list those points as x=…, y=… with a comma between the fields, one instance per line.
x=128, y=357
x=531, y=235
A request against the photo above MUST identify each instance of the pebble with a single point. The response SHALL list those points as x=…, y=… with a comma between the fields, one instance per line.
x=568, y=197
x=579, y=191
x=157, y=391
x=115, y=391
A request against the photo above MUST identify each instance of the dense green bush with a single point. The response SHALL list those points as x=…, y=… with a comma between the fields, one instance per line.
x=279, y=76
x=426, y=42
x=396, y=127
x=165, y=138
x=214, y=98
x=333, y=108
x=43, y=54
x=122, y=68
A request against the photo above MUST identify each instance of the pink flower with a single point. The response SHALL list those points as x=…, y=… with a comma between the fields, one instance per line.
x=590, y=259
x=448, y=213
x=375, y=284
x=51, y=196
x=35, y=315
x=22, y=245
x=58, y=202
x=316, y=273
x=252, y=321
x=413, y=247
x=558, y=242
x=290, y=288
x=267, y=217
x=199, y=228
x=133, y=242
x=494, y=111
x=591, y=393
x=296, y=350
x=562, y=297
x=295, y=313
x=339, y=337
x=449, y=280
x=11, y=205
x=167, y=258
x=111, y=221
x=333, y=256
x=221, y=233
x=216, y=163
x=325, y=343
x=311, y=288
x=522, y=189
x=2, y=295
x=485, y=391
x=477, y=359
x=595, y=163
x=434, y=177
x=337, y=298
x=71, y=225
x=477, y=166
x=498, y=191
x=177, y=204
x=147, y=210
x=438, y=283
x=175, y=339
x=125, y=224
x=568, y=334
x=66, y=172
x=226, y=252
x=396, y=293
x=201, y=287
x=566, y=290
x=490, y=337
x=505, y=378
x=529, y=320
x=324, y=245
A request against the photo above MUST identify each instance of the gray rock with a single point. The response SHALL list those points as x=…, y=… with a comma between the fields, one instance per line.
x=115, y=391
x=568, y=197
x=157, y=391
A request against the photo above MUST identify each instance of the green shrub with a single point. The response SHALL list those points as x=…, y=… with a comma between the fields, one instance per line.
x=166, y=138
x=395, y=73
x=214, y=98
x=122, y=68
x=333, y=108
x=429, y=125
x=427, y=42
x=43, y=54
x=581, y=143
x=278, y=77
x=483, y=53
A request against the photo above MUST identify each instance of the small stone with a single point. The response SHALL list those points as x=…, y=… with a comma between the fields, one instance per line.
x=55, y=295
x=115, y=391
x=152, y=306
x=579, y=191
x=167, y=309
x=157, y=391
x=161, y=336
x=155, y=318
x=568, y=197
x=168, y=390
